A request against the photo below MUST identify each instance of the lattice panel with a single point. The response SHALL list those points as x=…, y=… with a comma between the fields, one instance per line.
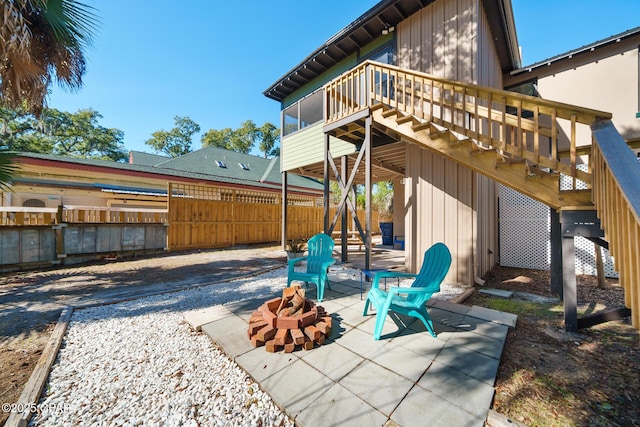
x=524, y=237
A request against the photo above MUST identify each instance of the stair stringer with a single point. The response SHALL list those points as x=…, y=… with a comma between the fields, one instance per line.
x=509, y=171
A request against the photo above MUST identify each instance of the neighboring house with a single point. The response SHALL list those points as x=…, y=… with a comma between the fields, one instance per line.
x=412, y=91
x=50, y=180
x=604, y=75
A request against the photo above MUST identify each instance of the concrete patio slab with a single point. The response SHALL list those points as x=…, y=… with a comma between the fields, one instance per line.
x=201, y=317
x=497, y=292
x=333, y=361
x=472, y=363
x=339, y=407
x=423, y=408
x=412, y=365
x=460, y=389
x=230, y=334
x=377, y=385
x=406, y=378
x=262, y=364
x=298, y=388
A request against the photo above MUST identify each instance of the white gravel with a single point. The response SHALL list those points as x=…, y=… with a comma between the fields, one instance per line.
x=139, y=363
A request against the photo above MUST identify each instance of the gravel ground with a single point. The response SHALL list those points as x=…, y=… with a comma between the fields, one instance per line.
x=138, y=363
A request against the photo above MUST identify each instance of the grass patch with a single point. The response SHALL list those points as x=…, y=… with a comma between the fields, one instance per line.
x=523, y=308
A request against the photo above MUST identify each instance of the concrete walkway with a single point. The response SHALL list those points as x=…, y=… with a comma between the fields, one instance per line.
x=407, y=378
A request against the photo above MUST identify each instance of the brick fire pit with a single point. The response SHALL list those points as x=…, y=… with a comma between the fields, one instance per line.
x=290, y=322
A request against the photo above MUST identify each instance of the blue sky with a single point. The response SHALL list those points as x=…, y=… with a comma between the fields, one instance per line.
x=211, y=60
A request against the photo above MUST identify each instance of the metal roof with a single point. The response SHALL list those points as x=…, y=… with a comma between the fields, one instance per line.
x=369, y=26
x=192, y=168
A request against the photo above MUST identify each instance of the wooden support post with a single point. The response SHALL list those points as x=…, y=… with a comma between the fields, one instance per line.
x=556, y=252
x=602, y=283
x=285, y=218
x=326, y=183
x=366, y=145
x=345, y=215
x=569, y=288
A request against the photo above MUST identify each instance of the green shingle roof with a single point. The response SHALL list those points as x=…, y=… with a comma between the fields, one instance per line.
x=200, y=165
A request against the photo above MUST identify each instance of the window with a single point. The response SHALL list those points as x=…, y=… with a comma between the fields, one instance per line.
x=303, y=113
x=311, y=109
x=290, y=118
x=385, y=55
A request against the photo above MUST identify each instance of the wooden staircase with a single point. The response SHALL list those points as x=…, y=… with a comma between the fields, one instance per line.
x=516, y=172
x=544, y=149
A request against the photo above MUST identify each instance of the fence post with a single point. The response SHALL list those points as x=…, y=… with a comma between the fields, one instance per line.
x=233, y=218
x=59, y=228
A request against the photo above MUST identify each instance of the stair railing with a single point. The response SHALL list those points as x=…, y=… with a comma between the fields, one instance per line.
x=550, y=135
x=616, y=195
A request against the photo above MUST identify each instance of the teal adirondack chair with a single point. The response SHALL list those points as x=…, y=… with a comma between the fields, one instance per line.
x=319, y=251
x=410, y=301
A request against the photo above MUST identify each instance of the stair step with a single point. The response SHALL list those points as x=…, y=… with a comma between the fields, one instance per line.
x=508, y=161
x=443, y=134
x=404, y=119
x=421, y=126
x=534, y=170
x=388, y=113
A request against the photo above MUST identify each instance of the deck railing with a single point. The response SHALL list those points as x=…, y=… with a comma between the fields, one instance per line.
x=543, y=132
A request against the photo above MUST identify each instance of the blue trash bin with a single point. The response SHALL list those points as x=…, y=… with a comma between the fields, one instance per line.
x=386, y=228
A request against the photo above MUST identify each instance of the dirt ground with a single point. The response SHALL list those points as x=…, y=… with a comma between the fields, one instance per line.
x=31, y=301
x=547, y=377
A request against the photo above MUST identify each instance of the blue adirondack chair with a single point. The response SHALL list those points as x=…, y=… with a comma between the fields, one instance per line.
x=319, y=251
x=410, y=301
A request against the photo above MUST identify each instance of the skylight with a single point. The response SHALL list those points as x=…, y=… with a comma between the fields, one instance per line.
x=244, y=166
x=220, y=164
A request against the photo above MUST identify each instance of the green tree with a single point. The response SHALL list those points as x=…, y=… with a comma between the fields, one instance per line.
x=382, y=198
x=269, y=136
x=177, y=141
x=42, y=41
x=57, y=132
x=80, y=135
x=217, y=138
x=244, y=138
x=17, y=131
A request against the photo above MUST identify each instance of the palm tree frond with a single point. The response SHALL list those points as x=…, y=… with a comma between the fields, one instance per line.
x=8, y=170
x=42, y=40
x=72, y=22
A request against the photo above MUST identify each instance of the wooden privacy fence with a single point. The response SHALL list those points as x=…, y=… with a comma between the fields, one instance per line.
x=208, y=217
x=198, y=217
